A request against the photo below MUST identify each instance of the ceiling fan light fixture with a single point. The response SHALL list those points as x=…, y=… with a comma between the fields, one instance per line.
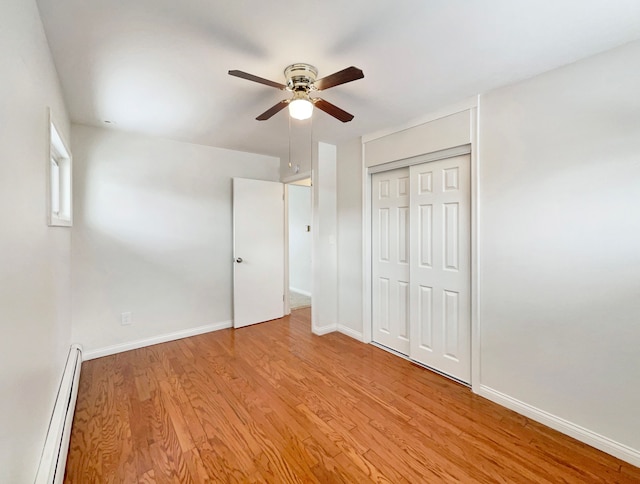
x=301, y=81
x=300, y=108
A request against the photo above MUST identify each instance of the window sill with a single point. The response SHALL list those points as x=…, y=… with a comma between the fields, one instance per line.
x=59, y=222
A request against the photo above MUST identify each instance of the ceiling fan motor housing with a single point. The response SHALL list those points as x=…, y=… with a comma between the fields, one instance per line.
x=300, y=77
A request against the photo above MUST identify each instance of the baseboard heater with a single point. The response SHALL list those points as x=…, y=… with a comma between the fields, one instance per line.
x=56, y=446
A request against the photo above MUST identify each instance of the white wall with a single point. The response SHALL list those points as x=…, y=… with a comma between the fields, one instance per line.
x=559, y=243
x=299, y=239
x=34, y=258
x=152, y=234
x=349, y=215
x=325, y=255
x=559, y=297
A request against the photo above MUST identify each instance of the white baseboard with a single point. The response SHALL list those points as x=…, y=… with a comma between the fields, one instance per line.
x=587, y=436
x=324, y=330
x=154, y=340
x=351, y=332
x=300, y=291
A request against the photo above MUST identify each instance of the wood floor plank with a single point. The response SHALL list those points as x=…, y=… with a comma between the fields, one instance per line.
x=219, y=460
x=274, y=403
x=630, y=473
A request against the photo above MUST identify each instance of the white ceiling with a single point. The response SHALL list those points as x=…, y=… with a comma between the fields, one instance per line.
x=160, y=66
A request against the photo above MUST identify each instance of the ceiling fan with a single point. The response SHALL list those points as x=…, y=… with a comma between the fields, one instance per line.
x=301, y=81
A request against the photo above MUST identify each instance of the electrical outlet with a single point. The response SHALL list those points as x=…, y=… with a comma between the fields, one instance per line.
x=125, y=319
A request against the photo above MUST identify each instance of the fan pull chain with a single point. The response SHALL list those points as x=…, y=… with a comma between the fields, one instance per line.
x=295, y=167
x=289, y=119
x=311, y=147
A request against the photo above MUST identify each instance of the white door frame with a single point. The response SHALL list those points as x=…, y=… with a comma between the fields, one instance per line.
x=470, y=149
x=323, y=157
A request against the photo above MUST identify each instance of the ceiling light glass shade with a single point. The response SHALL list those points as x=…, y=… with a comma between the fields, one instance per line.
x=300, y=108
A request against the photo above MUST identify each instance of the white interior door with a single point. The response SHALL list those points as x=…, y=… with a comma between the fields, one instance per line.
x=258, y=251
x=390, y=264
x=440, y=271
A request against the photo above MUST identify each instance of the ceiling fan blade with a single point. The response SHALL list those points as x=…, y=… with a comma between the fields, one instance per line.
x=341, y=77
x=333, y=110
x=273, y=110
x=260, y=80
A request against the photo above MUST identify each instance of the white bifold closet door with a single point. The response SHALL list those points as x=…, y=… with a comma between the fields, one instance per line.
x=421, y=272
x=390, y=253
x=440, y=267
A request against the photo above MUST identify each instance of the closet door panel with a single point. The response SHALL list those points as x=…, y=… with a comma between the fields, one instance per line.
x=390, y=259
x=440, y=271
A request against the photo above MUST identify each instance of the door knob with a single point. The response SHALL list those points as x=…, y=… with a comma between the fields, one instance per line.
x=239, y=260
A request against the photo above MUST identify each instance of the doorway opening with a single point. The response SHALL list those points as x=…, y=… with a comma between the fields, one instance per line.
x=300, y=244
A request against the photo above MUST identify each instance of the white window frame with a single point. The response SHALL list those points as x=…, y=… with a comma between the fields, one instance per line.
x=59, y=172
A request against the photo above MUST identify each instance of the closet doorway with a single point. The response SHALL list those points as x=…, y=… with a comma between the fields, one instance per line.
x=421, y=263
x=300, y=243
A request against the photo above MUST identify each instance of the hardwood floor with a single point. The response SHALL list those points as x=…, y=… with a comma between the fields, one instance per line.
x=274, y=403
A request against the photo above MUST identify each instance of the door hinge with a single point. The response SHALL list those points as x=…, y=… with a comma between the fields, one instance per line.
x=283, y=298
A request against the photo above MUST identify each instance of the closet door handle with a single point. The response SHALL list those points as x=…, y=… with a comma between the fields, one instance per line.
x=239, y=260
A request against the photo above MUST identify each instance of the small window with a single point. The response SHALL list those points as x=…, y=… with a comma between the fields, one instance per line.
x=59, y=180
